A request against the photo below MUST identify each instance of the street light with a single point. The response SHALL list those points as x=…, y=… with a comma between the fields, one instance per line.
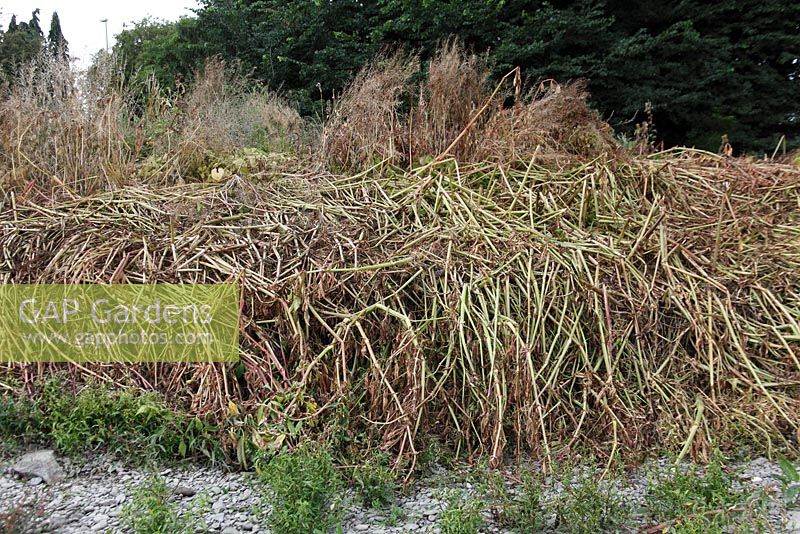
x=105, y=21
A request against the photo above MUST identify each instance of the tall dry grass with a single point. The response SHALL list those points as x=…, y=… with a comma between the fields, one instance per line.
x=456, y=112
x=68, y=134
x=223, y=111
x=61, y=130
x=364, y=124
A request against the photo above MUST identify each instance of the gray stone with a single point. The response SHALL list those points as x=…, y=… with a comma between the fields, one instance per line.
x=230, y=530
x=362, y=527
x=185, y=491
x=58, y=521
x=246, y=526
x=793, y=521
x=40, y=464
x=35, y=481
x=100, y=522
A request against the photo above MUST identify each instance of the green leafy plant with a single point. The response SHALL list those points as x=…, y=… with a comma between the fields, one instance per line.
x=790, y=481
x=587, y=507
x=151, y=511
x=125, y=421
x=374, y=482
x=265, y=431
x=688, y=500
x=462, y=515
x=20, y=421
x=435, y=453
x=526, y=511
x=305, y=487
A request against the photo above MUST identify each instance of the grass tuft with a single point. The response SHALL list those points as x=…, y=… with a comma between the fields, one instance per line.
x=587, y=506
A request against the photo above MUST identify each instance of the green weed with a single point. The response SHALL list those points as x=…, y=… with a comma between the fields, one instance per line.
x=526, y=511
x=374, y=482
x=396, y=514
x=305, y=487
x=137, y=425
x=151, y=511
x=435, y=453
x=790, y=481
x=20, y=422
x=689, y=501
x=588, y=507
x=462, y=515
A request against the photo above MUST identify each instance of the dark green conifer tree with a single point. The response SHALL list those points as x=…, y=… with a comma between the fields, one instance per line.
x=56, y=43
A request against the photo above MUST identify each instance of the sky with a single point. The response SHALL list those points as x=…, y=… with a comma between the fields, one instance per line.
x=80, y=20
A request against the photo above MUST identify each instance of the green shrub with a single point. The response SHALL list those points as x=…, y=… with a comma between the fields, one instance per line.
x=462, y=515
x=305, y=487
x=374, y=482
x=151, y=511
x=15, y=415
x=20, y=421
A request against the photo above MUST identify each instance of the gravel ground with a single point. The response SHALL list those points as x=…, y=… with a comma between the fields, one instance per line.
x=91, y=496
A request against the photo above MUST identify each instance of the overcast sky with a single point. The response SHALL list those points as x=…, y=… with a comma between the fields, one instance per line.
x=80, y=20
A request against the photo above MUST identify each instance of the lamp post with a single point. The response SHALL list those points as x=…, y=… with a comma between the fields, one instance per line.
x=105, y=21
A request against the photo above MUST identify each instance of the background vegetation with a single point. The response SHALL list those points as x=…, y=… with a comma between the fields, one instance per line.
x=709, y=69
x=706, y=69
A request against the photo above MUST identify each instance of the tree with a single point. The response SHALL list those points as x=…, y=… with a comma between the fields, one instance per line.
x=759, y=92
x=34, y=26
x=165, y=50
x=307, y=49
x=56, y=43
x=20, y=44
x=708, y=68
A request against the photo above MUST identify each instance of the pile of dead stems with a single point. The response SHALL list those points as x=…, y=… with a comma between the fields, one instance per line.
x=620, y=305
